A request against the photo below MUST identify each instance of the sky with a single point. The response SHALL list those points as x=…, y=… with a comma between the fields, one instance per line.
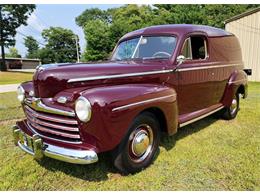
x=46, y=16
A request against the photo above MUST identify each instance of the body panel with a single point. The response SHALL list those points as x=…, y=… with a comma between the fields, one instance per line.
x=119, y=91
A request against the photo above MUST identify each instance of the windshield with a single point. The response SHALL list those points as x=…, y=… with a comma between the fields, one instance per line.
x=145, y=48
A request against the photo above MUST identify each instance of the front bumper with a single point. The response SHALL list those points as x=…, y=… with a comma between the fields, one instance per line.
x=35, y=146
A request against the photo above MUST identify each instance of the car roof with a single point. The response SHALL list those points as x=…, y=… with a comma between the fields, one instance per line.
x=178, y=29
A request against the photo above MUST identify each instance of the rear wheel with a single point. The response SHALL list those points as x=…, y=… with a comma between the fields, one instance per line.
x=231, y=111
x=138, y=148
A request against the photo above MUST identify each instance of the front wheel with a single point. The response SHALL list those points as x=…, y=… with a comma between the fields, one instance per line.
x=138, y=148
x=232, y=110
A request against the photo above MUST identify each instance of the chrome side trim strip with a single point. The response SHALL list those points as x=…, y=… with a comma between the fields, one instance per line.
x=200, y=117
x=37, y=104
x=119, y=75
x=205, y=67
x=141, y=102
x=231, y=82
x=145, y=73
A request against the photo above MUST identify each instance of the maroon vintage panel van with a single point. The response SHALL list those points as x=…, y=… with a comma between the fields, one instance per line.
x=159, y=78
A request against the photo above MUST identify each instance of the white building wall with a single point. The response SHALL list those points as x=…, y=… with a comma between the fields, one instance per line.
x=247, y=29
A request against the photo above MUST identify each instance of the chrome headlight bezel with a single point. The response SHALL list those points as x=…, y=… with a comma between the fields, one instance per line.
x=83, y=109
x=20, y=94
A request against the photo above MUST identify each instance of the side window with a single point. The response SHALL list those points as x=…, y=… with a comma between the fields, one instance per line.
x=186, y=49
x=195, y=48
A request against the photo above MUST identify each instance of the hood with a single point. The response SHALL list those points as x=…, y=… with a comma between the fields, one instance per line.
x=53, y=78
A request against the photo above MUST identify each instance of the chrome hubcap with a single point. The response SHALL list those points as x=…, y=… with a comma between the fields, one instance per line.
x=141, y=140
x=140, y=143
x=233, y=106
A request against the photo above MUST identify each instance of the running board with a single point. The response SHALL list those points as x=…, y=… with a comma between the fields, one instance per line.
x=200, y=117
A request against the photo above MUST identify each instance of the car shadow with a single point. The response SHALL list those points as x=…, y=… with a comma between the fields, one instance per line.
x=100, y=171
x=92, y=172
x=168, y=142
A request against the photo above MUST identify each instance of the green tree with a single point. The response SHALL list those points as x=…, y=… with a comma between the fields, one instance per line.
x=217, y=14
x=92, y=14
x=11, y=17
x=98, y=40
x=103, y=29
x=102, y=33
x=13, y=53
x=46, y=55
x=212, y=14
x=129, y=18
x=32, y=47
x=60, y=47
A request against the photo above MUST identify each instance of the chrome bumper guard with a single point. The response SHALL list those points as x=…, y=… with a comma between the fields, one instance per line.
x=36, y=147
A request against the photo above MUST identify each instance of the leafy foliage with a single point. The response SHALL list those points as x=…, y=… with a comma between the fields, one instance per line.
x=102, y=33
x=13, y=53
x=60, y=47
x=92, y=14
x=104, y=28
x=212, y=15
x=99, y=43
x=11, y=17
x=32, y=47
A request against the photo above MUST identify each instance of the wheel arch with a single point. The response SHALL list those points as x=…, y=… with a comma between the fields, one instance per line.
x=159, y=115
x=236, y=83
x=115, y=107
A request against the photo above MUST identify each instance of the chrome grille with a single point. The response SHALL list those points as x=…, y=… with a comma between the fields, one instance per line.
x=53, y=126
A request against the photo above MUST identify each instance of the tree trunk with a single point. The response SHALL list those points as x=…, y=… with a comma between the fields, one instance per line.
x=2, y=64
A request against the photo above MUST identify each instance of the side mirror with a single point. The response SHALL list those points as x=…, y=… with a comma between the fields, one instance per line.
x=180, y=59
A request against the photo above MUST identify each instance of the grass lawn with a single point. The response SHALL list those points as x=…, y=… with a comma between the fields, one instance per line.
x=211, y=154
x=14, y=77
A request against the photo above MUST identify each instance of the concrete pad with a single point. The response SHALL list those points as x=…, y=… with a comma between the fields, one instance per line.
x=8, y=88
x=21, y=70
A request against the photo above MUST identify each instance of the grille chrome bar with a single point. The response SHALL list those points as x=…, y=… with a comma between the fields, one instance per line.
x=46, y=117
x=47, y=124
x=53, y=126
x=47, y=130
x=51, y=138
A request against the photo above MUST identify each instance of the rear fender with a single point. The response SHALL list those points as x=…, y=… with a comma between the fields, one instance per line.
x=236, y=83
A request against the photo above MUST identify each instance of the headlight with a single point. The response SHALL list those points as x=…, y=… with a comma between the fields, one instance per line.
x=83, y=109
x=20, y=93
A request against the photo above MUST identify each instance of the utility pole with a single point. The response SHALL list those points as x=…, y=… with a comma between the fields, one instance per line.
x=77, y=48
x=2, y=63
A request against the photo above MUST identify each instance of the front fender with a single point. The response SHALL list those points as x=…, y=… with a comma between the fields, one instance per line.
x=115, y=107
x=27, y=86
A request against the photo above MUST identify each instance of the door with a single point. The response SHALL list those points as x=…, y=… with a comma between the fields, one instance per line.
x=195, y=85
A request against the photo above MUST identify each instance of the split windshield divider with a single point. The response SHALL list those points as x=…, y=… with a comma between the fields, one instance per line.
x=139, y=41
